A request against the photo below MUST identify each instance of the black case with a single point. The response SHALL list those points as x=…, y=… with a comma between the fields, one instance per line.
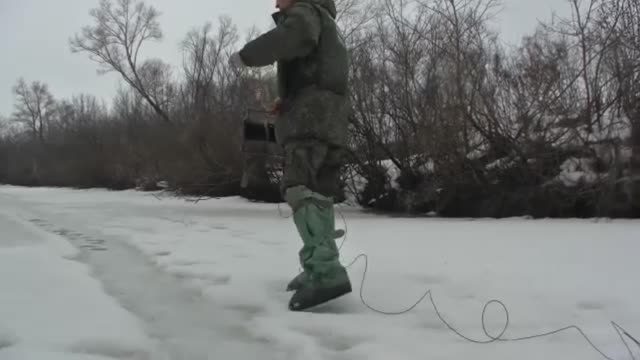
x=257, y=128
x=259, y=132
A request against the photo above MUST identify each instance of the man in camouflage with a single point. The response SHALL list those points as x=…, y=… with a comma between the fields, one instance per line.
x=312, y=63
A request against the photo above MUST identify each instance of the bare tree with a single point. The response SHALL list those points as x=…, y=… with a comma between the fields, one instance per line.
x=205, y=55
x=355, y=16
x=79, y=114
x=114, y=41
x=34, y=107
x=4, y=128
x=204, y=61
x=215, y=98
x=4, y=149
x=625, y=65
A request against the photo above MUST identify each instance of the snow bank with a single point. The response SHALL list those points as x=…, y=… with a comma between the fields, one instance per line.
x=576, y=171
x=357, y=183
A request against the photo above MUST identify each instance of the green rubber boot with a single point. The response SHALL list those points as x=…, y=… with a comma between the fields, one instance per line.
x=317, y=291
x=297, y=282
x=324, y=277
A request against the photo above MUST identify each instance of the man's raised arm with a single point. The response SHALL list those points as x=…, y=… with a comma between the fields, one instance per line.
x=295, y=37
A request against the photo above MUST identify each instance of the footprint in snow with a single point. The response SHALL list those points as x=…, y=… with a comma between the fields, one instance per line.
x=93, y=248
x=95, y=241
x=72, y=235
x=61, y=232
x=75, y=236
x=185, y=263
x=42, y=224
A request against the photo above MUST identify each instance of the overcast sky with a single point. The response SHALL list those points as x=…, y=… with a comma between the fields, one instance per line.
x=35, y=33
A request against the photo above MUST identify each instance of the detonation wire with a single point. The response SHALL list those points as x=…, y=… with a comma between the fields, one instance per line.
x=622, y=333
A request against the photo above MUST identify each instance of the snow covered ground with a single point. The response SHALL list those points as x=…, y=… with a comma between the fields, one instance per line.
x=126, y=275
x=50, y=306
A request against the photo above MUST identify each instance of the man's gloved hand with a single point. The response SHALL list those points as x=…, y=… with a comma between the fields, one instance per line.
x=277, y=104
x=236, y=61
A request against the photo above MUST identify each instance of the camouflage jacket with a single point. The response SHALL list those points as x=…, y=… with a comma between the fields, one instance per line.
x=313, y=65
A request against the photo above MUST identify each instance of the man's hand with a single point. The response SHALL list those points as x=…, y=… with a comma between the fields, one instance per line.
x=275, y=109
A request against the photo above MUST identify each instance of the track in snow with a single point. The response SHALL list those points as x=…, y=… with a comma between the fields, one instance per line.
x=186, y=324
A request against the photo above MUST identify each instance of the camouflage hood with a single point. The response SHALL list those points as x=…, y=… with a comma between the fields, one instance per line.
x=329, y=5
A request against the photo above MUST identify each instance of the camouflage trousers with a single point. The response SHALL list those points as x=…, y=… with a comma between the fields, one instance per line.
x=310, y=184
x=315, y=165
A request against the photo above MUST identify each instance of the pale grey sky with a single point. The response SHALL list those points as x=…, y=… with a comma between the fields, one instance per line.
x=35, y=33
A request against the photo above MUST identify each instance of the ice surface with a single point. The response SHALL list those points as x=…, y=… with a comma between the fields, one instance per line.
x=50, y=303
x=213, y=275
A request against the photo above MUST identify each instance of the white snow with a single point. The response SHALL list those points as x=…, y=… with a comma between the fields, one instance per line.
x=209, y=281
x=575, y=171
x=50, y=306
x=501, y=163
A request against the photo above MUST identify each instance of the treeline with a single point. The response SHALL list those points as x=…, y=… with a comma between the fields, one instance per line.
x=446, y=119
x=182, y=127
